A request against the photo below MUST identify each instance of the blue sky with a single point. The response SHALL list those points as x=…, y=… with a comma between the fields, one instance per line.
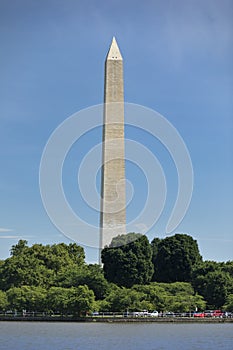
x=177, y=60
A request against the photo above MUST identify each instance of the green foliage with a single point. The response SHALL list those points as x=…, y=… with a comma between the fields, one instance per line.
x=90, y=275
x=27, y=298
x=61, y=255
x=121, y=240
x=228, y=267
x=82, y=300
x=228, y=306
x=155, y=294
x=211, y=280
x=176, y=297
x=155, y=248
x=3, y=301
x=19, y=248
x=128, y=264
x=24, y=270
x=121, y=299
x=75, y=301
x=38, y=265
x=93, y=277
x=56, y=279
x=174, y=258
x=58, y=299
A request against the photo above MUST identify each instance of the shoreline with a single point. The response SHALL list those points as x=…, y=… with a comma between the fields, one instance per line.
x=117, y=319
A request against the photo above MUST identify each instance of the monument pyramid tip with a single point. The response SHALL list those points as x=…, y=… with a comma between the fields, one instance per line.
x=114, y=51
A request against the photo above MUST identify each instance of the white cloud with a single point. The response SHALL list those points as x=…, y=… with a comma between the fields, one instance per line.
x=10, y=236
x=5, y=229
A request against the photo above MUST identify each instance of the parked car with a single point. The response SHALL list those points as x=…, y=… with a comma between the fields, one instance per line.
x=208, y=313
x=214, y=313
x=153, y=313
x=144, y=313
x=199, y=314
x=218, y=313
x=130, y=314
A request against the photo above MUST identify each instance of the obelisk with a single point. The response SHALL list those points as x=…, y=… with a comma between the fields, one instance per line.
x=113, y=211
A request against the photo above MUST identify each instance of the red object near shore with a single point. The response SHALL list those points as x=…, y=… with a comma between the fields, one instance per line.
x=199, y=314
x=217, y=313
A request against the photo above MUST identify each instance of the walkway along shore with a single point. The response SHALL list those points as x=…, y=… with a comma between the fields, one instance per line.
x=117, y=319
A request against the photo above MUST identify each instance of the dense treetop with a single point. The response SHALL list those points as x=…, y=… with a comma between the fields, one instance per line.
x=128, y=264
x=166, y=274
x=39, y=265
x=174, y=258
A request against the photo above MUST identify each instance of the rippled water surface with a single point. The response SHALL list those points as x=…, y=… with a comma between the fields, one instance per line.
x=89, y=336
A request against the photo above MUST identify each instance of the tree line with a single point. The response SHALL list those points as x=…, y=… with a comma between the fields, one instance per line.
x=166, y=274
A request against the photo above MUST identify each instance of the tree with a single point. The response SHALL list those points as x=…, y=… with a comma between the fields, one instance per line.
x=228, y=306
x=19, y=248
x=185, y=303
x=90, y=275
x=212, y=282
x=75, y=301
x=81, y=300
x=27, y=298
x=176, y=297
x=39, y=265
x=58, y=299
x=121, y=240
x=155, y=294
x=130, y=263
x=93, y=277
x=22, y=270
x=228, y=268
x=155, y=248
x=174, y=258
x=121, y=299
x=3, y=301
x=61, y=256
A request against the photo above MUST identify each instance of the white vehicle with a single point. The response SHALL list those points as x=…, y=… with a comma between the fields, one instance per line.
x=153, y=314
x=143, y=313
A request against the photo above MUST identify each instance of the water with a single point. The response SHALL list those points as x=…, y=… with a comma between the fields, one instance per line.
x=107, y=336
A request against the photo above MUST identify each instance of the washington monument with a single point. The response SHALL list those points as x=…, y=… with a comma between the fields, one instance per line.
x=113, y=212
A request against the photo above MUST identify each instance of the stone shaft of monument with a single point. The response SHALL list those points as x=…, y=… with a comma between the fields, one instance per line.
x=113, y=211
